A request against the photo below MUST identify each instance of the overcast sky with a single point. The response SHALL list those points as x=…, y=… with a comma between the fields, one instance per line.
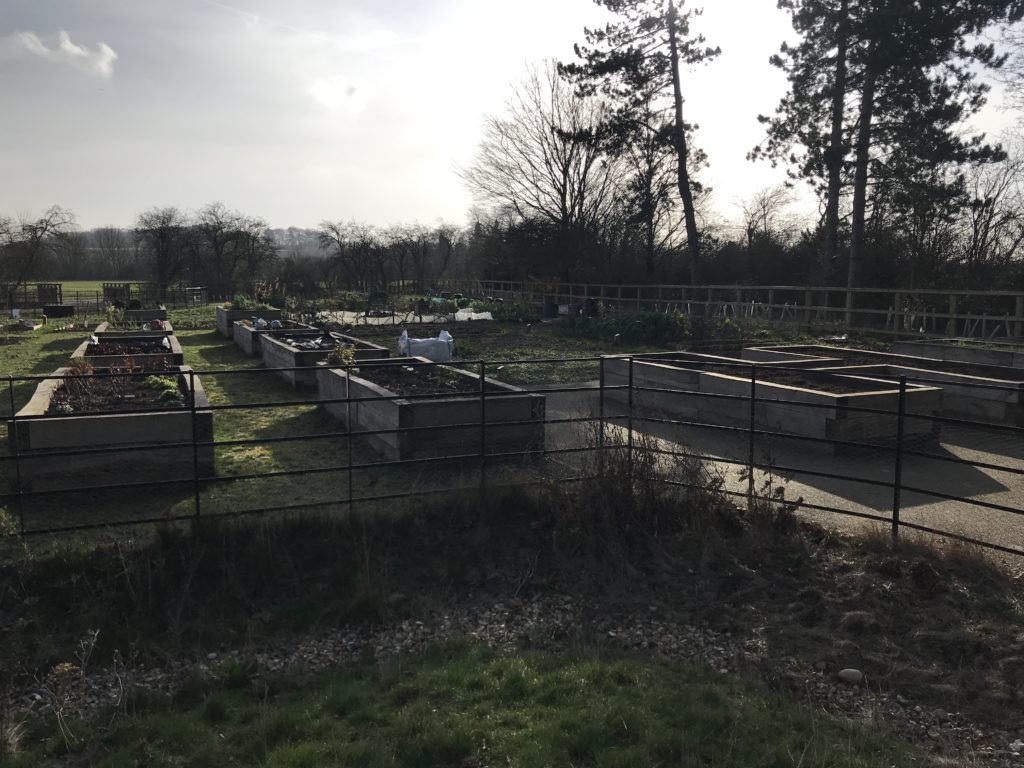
x=314, y=109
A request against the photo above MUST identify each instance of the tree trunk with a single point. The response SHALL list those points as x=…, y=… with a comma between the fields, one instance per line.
x=860, y=182
x=835, y=154
x=683, y=175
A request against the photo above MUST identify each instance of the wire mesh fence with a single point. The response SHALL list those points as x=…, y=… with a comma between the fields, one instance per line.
x=850, y=449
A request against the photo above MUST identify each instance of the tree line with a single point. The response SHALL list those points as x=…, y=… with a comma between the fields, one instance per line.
x=228, y=252
x=593, y=173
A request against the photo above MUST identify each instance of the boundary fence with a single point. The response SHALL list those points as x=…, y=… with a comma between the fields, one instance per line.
x=604, y=406
x=32, y=297
x=889, y=311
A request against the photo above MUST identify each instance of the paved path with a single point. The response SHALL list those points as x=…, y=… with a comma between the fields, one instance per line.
x=938, y=474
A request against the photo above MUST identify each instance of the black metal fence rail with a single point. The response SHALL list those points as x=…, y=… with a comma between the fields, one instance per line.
x=743, y=444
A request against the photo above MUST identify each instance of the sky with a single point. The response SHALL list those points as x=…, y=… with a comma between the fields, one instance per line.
x=319, y=109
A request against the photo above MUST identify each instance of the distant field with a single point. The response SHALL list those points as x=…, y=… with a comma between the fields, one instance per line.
x=91, y=286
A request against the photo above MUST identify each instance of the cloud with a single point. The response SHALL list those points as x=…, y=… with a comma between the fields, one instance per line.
x=339, y=93
x=99, y=62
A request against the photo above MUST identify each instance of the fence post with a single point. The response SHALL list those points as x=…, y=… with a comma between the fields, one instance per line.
x=17, y=459
x=897, y=480
x=751, y=437
x=629, y=414
x=600, y=412
x=348, y=429
x=195, y=439
x=483, y=426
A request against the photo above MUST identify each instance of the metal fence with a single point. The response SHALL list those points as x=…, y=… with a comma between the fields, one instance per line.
x=34, y=297
x=910, y=470
x=890, y=311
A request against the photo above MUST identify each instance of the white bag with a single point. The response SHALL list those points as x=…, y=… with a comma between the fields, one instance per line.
x=438, y=350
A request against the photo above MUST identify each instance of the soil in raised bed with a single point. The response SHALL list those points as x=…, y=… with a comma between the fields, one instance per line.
x=120, y=348
x=134, y=392
x=423, y=380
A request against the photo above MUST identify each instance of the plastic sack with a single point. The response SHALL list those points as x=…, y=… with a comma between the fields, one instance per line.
x=468, y=314
x=259, y=323
x=437, y=350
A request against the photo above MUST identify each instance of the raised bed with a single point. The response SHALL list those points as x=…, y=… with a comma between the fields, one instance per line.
x=105, y=330
x=41, y=436
x=279, y=353
x=504, y=405
x=144, y=349
x=965, y=351
x=791, y=402
x=247, y=337
x=226, y=318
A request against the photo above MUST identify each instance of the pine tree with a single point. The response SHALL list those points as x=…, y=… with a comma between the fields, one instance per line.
x=636, y=61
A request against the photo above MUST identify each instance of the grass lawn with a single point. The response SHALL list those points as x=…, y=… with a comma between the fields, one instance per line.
x=309, y=434
x=464, y=705
x=501, y=342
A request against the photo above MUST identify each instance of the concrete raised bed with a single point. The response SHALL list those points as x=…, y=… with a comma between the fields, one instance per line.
x=965, y=351
x=504, y=403
x=173, y=356
x=278, y=353
x=247, y=338
x=226, y=318
x=784, y=408
x=103, y=331
x=40, y=436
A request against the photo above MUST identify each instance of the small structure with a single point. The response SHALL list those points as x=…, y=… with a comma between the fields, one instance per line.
x=161, y=441
x=513, y=417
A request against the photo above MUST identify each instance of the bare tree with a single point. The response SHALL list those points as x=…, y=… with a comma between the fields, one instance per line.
x=116, y=250
x=24, y=243
x=161, y=239
x=545, y=159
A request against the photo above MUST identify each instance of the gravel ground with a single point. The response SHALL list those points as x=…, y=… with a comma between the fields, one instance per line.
x=557, y=623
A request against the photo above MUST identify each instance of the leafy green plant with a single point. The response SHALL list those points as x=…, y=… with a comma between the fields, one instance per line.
x=243, y=302
x=343, y=354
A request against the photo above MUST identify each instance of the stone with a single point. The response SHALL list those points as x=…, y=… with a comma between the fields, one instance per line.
x=1017, y=746
x=851, y=676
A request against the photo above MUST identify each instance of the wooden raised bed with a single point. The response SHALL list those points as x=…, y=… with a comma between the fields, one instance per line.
x=104, y=330
x=974, y=351
x=226, y=318
x=504, y=404
x=818, y=407
x=247, y=338
x=41, y=436
x=150, y=352
x=278, y=353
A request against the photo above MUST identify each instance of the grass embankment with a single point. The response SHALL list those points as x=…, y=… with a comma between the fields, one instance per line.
x=464, y=705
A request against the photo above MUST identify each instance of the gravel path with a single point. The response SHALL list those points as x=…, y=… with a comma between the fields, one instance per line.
x=556, y=623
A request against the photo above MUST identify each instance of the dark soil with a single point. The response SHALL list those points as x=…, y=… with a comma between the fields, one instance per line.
x=121, y=348
x=84, y=394
x=422, y=380
x=8, y=340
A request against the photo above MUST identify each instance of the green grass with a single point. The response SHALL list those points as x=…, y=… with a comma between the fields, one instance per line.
x=464, y=705
x=42, y=351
